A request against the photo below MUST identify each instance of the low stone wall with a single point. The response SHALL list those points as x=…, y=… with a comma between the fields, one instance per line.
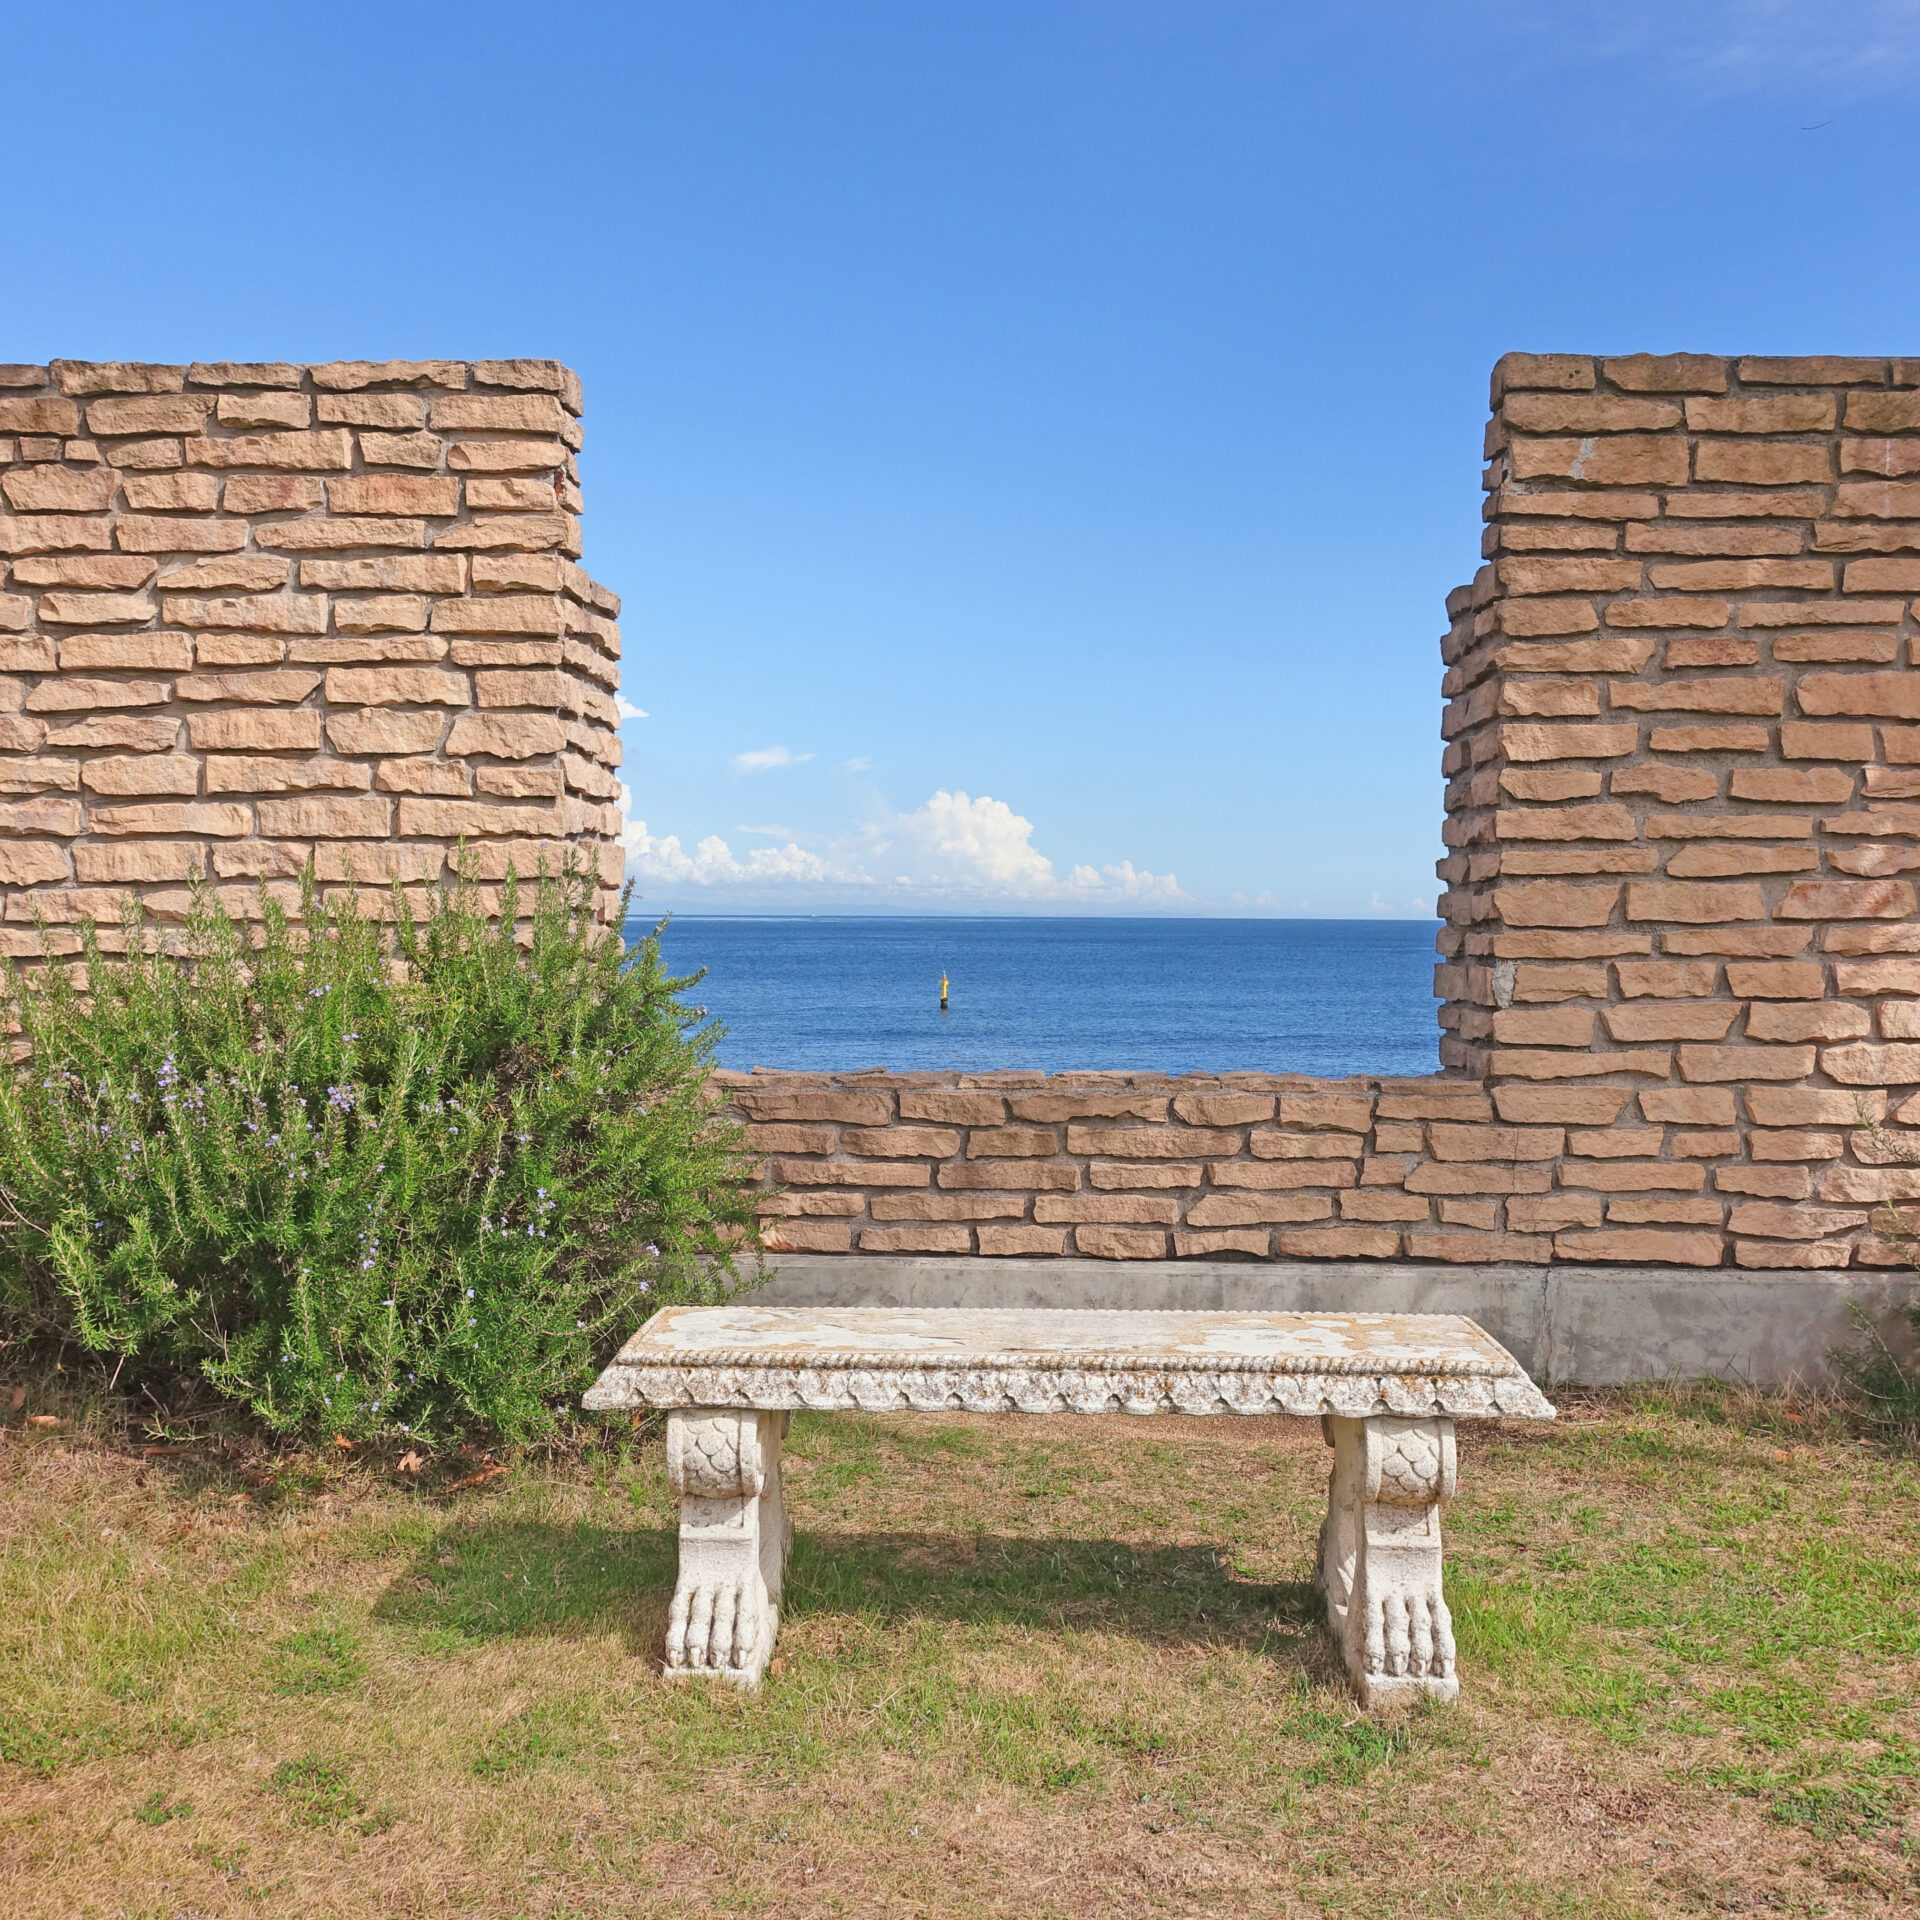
x=256, y=615
x=1261, y=1166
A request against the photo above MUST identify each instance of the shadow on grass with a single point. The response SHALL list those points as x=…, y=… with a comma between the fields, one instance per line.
x=486, y=1580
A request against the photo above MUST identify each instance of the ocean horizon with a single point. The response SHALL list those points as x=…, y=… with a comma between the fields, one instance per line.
x=818, y=992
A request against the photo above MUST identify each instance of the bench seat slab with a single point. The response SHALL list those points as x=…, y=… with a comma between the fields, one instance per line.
x=1052, y=1360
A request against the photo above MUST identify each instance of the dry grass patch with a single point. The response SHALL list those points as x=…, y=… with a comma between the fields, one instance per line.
x=1033, y=1667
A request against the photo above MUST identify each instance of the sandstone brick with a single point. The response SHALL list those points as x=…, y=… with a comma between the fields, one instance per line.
x=259, y=732
x=947, y=1206
x=919, y=1239
x=1705, y=860
x=1745, y=1063
x=1614, y=1143
x=153, y=413
x=1223, y=1109
x=1582, y=575
x=1239, y=1240
x=950, y=1108
x=264, y=410
x=1799, y=741
x=143, y=773
x=382, y=861
x=1012, y=1176
x=1012, y=1143
x=505, y=456
x=1877, y=976
x=1526, y=1064
x=1481, y=1247
x=220, y=820
x=1667, y=372
x=1692, y=902
x=18, y=734
x=1778, y=1222
x=1688, y=1106
x=1460, y=1104
x=1847, y=900
x=396, y=686
x=500, y=613
x=1811, y=370
x=286, y=687
x=323, y=449
x=1121, y=1175
x=82, y=570
x=1021, y=1240
x=1667, y=610
x=809, y=1236
x=140, y=733
x=337, y=532
x=1694, y=1210
x=1476, y=1177
x=1568, y=1106
x=1761, y=463
x=1893, y=695
x=1620, y=460
x=1734, y=576
x=1148, y=1143
x=939, y=1143
x=1335, y=1112
x=1109, y=1209
x=1604, y=822
x=148, y=652
x=1527, y=742
x=509, y=783
x=161, y=533
x=250, y=493
x=139, y=861
x=1338, y=1243
x=39, y=774
x=850, y=1173
x=1746, y=695
x=1866, y=1065
x=73, y=609
x=59, y=489
x=266, y=773
x=1828, y=613
x=1740, y=942
x=1795, y=1144
x=1544, y=1026
x=1671, y=1020
x=1548, y=903
x=1708, y=740
x=1270, y=1176
x=28, y=863
x=1668, y=784
x=259, y=613
x=1773, y=413
x=70, y=694
x=1552, y=1212
x=1716, y=650
x=1378, y=1205
x=1868, y=1185
x=1120, y=1243
x=1640, y=1246
x=508, y=736
x=1560, y=371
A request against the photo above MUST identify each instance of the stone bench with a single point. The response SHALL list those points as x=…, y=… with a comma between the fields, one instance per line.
x=1387, y=1389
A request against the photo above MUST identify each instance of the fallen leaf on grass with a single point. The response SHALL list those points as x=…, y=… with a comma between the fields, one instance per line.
x=409, y=1462
x=474, y=1479
x=17, y=1398
x=43, y=1419
x=341, y=1441
x=160, y=1450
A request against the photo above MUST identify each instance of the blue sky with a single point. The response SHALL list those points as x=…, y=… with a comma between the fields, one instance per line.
x=1033, y=440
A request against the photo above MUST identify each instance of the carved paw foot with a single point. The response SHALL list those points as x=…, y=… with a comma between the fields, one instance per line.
x=1409, y=1635
x=720, y=1626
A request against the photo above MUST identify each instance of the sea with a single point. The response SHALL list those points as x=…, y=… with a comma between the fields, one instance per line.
x=814, y=992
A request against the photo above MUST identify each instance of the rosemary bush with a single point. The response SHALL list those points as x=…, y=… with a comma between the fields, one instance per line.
x=365, y=1197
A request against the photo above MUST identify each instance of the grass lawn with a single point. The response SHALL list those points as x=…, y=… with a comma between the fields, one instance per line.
x=1027, y=1667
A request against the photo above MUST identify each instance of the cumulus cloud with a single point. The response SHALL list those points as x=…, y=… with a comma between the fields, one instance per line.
x=765, y=759
x=626, y=709
x=954, y=846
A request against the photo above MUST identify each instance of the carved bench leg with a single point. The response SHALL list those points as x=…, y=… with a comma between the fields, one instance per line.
x=725, y=1466
x=1379, y=1564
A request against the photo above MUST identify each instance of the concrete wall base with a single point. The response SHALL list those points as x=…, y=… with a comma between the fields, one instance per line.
x=1569, y=1326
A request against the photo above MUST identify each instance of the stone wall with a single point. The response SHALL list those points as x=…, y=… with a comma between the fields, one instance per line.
x=1681, y=961
x=252, y=615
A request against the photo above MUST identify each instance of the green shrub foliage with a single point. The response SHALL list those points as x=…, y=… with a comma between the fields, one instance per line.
x=368, y=1178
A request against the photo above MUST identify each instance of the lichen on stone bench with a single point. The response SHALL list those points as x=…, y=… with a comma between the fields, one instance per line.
x=1386, y=1387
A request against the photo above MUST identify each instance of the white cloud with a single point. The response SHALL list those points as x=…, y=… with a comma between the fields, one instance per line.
x=768, y=833
x=857, y=765
x=627, y=710
x=952, y=847
x=765, y=759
